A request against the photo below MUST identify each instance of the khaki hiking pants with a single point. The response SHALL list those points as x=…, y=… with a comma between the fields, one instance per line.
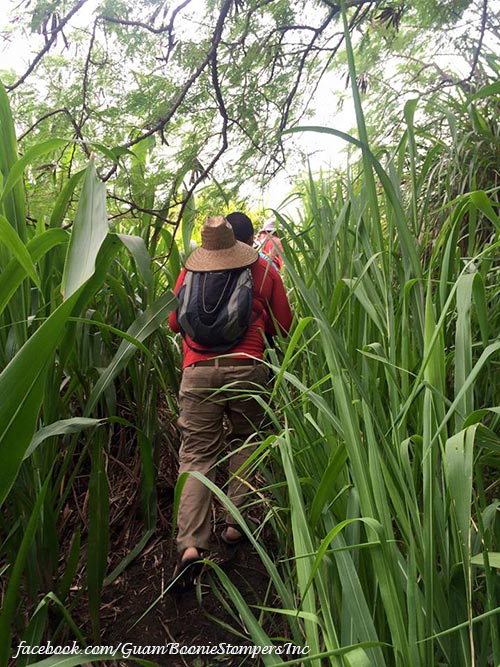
x=207, y=393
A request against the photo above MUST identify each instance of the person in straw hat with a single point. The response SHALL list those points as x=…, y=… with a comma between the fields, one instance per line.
x=215, y=385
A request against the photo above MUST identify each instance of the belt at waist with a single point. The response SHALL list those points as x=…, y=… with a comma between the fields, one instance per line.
x=226, y=361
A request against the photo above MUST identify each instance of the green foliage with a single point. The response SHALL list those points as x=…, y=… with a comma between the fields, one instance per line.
x=374, y=408
x=385, y=442
x=50, y=300
x=385, y=419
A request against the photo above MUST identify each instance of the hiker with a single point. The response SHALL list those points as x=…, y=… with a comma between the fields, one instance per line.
x=212, y=382
x=270, y=244
x=242, y=227
x=244, y=231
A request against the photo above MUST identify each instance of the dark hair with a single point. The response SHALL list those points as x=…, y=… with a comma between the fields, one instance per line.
x=242, y=226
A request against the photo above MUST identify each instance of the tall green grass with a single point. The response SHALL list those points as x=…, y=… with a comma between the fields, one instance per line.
x=82, y=353
x=381, y=469
x=385, y=411
x=386, y=419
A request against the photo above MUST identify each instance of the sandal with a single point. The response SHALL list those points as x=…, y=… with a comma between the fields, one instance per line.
x=232, y=542
x=185, y=573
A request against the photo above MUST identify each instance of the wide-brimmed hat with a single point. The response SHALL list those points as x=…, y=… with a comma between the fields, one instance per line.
x=219, y=248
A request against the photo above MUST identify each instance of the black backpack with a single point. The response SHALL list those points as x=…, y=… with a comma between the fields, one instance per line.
x=215, y=308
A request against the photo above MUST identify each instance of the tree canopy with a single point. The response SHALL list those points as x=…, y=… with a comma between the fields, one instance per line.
x=176, y=96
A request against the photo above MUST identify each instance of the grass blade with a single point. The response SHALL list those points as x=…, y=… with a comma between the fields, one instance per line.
x=90, y=230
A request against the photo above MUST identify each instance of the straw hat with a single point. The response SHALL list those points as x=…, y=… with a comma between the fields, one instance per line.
x=219, y=248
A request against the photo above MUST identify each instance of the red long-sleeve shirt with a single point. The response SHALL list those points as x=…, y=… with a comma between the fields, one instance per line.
x=273, y=249
x=270, y=304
